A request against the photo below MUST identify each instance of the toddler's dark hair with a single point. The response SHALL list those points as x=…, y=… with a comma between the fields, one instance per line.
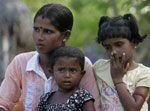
x=60, y=16
x=121, y=26
x=67, y=51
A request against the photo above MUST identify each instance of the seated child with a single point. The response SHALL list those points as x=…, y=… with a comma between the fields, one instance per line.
x=67, y=65
x=123, y=83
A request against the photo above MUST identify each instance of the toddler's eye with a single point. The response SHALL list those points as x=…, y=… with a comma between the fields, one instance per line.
x=61, y=70
x=73, y=70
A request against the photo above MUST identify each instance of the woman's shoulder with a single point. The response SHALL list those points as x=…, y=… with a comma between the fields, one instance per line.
x=88, y=61
x=25, y=56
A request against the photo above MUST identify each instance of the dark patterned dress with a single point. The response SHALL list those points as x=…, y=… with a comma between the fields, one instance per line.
x=74, y=103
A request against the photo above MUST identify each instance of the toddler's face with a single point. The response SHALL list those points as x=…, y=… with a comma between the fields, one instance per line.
x=117, y=46
x=67, y=73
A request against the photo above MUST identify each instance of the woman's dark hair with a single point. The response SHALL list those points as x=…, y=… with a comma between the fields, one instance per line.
x=121, y=26
x=67, y=51
x=60, y=16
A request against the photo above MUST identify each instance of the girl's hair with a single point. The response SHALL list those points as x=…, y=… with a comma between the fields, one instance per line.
x=67, y=51
x=121, y=26
x=60, y=16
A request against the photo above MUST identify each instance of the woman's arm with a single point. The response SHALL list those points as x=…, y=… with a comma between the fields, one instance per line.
x=88, y=82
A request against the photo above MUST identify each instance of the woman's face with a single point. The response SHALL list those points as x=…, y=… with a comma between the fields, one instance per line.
x=119, y=46
x=45, y=35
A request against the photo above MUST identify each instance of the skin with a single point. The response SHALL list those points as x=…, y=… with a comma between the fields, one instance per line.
x=67, y=73
x=46, y=38
x=120, y=52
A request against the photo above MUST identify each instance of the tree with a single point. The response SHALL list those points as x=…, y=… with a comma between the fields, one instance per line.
x=14, y=31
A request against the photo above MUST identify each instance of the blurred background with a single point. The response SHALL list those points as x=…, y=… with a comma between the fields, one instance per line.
x=16, y=20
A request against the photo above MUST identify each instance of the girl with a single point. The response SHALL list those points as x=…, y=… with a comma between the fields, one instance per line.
x=27, y=76
x=123, y=83
x=67, y=65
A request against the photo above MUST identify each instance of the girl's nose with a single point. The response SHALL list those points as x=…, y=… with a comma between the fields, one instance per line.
x=113, y=52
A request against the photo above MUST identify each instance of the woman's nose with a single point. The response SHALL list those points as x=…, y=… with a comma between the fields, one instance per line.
x=40, y=35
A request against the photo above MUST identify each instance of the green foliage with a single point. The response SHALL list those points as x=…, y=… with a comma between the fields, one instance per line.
x=87, y=13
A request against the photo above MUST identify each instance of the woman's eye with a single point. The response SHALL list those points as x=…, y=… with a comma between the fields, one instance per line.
x=47, y=31
x=36, y=29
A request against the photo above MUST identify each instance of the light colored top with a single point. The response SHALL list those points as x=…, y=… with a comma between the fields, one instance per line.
x=25, y=81
x=110, y=101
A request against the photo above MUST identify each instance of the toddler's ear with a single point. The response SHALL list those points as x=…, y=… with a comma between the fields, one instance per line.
x=83, y=72
x=50, y=70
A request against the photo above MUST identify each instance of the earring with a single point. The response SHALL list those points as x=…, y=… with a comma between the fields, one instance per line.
x=64, y=40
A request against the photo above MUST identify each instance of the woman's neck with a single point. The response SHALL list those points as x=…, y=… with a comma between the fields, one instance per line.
x=43, y=58
x=43, y=61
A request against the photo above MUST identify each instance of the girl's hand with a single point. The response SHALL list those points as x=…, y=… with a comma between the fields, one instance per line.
x=119, y=66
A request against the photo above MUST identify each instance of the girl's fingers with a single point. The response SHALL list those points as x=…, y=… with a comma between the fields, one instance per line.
x=123, y=58
x=127, y=67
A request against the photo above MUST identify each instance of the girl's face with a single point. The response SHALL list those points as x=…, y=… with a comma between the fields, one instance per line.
x=45, y=35
x=67, y=73
x=119, y=46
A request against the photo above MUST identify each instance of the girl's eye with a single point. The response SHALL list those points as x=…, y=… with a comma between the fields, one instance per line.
x=36, y=29
x=107, y=47
x=119, y=44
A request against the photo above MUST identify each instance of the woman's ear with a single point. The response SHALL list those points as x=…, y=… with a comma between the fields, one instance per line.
x=66, y=35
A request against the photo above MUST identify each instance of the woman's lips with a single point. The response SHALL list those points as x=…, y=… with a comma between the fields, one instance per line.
x=39, y=45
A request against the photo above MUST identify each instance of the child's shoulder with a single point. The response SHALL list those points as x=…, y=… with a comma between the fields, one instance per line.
x=45, y=96
x=101, y=63
x=82, y=90
x=144, y=69
x=83, y=93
